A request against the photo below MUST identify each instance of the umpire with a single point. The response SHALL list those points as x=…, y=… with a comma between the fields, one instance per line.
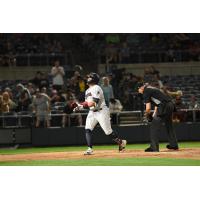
x=163, y=111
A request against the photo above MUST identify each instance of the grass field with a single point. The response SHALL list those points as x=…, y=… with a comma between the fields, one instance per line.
x=104, y=161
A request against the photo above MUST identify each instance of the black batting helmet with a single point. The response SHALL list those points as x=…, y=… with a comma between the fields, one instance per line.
x=92, y=78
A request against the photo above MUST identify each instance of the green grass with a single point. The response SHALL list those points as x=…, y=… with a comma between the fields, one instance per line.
x=108, y=162
x=100, y=161
x=82, y=148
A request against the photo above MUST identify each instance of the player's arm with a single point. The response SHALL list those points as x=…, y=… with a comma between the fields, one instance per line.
x=86, y=104
x=155, y=111
x=148, y=107
x=148, y=114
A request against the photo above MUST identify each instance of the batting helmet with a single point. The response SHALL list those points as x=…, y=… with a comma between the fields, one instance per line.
x=93, y=78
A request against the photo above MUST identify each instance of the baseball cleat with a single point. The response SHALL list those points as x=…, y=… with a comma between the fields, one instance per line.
x=122, y=146
x=149, y=149
x=172, y=147
x=89, y=151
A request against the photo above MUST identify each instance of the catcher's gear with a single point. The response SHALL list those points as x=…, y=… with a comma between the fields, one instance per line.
x=93, y=78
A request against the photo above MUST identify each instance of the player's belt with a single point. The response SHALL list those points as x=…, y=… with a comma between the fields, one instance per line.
x=97, y=110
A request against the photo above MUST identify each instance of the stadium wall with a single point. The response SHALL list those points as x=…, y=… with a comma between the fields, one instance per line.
x=22, y=73
x=173, y=68
x=133, y=134
x=76, y=135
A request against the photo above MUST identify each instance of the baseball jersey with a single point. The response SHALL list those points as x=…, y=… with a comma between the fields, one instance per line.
x=95, y=93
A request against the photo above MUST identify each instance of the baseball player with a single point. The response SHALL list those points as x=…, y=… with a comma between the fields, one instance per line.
x=98, y=113
x=163, y=111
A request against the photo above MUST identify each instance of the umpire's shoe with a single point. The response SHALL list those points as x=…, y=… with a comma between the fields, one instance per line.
x=172, y=147
x=89, y=151
x=149, y=149
x=122, y=146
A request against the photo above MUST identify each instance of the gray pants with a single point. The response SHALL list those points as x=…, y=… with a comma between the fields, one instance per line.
x=156, y=124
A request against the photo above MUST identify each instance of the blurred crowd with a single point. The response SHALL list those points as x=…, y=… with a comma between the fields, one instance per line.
x=104, y=47
x=43, y=95
x=23, y=43
x=127, y=48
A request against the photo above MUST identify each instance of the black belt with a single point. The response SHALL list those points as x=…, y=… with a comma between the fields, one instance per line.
x=97, y=110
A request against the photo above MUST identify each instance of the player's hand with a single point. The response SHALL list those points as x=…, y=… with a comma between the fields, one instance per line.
x=78, y=108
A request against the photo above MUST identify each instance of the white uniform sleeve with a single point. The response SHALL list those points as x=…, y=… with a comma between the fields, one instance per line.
x=96, y=93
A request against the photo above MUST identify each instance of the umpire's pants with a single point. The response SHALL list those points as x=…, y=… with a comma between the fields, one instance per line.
x=156, y=125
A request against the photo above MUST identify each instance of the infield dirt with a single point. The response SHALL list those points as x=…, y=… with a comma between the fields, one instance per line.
x=187, y=153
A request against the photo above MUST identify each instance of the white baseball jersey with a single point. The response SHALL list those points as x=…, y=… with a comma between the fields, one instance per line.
x=100, y=113
x=95, y=92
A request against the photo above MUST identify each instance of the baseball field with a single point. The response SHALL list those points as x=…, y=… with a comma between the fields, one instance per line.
x=188, y=155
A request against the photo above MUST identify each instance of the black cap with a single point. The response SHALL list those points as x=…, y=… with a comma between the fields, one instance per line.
x=140, y=84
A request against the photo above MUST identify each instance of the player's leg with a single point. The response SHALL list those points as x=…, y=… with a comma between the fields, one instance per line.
x=155, y=128
x=91, y=122
x=103, y=118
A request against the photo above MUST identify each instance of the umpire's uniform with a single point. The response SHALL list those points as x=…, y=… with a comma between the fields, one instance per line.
x=164, y=113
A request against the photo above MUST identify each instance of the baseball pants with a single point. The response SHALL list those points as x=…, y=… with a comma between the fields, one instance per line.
x=102, y=117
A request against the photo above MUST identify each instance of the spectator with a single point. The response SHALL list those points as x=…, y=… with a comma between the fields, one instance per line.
x=7, y=89
x=1, y=103
x=44, y=90
x=23, y=98
x=44, y=82
x=4, y=103
x=56, y=97
x=58, y=76
x=31, y=88
x=74, y=82
x=179, y=116
x=115, y=107
x=77, y=119
x=36, y=80
x=111, y=53
x=193, y=104
x=69, y=95
x=124, y=54
x=41, y=107
x=107, y=90
x=7, y=102
x=82, y=87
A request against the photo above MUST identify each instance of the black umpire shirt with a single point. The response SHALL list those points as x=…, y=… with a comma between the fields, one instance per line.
x=155, y=96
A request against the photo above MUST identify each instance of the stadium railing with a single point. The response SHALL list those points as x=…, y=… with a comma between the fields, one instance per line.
x=157, y=56
x=38, y=59
x=17, y=120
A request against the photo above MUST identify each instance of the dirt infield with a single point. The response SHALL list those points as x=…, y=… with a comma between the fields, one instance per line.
x=187, y=153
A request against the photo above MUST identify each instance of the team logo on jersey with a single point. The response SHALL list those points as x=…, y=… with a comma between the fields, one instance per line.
x=88, y=94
